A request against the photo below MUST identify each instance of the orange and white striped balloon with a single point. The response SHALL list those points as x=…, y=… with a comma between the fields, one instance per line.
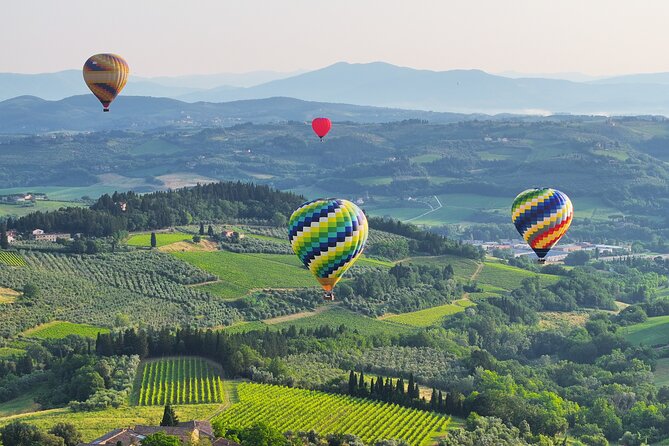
x=106, y=75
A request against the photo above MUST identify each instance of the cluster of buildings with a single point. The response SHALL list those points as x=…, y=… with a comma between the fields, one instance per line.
x=557, y=254
x=189, y=432
x=29, y=197
x=40, y=236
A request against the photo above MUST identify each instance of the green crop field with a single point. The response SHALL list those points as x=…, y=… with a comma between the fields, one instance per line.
x=509, y=277
x=183, y=380
x=339, y=316
x=240, y=273
x=654, y=331
x=61, y=329
x=162, y=239
x=430, y=316
x=296, y=409
x=97, y=423
x=661, y=373
x=11, y=259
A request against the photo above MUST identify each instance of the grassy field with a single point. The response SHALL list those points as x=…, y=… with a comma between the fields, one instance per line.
x=509, y=277
x=97, y=423
x=661, y=374
x=181, y=380
x=338, y=316
x=430, y=316
x=23, y=404
x=162, y=239
x=240, y=273
x=11, y=259
x=19, y=210
x=296, y=409
x=61, y=329
x=655, y=331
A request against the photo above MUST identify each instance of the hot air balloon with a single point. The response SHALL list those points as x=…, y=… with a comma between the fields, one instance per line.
x=321, y=126
x=328, y=235
x=542, y=216
x=106, y=75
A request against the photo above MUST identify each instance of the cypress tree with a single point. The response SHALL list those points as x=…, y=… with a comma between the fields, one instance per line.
x=352, y=383
x=361, y=384
x=411, y=390
x=4, y=240
x=201, y=232
x=440, y=402
x=433, y=400
x=210, y=231
x=169, y=416
x=371, y=386
x=154, y=242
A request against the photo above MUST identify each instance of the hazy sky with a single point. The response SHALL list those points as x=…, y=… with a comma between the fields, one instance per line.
x=172, y=37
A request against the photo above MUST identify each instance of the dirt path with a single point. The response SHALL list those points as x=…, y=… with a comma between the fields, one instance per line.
x=478, y=271
x=292, y=317
x=230, y=397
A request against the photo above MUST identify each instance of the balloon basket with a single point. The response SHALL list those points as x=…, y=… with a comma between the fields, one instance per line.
x=329, y=297
x=541, y=261
x=105, y=109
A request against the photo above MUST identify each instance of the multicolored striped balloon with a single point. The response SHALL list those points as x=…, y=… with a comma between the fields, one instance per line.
x=106, y=75
x=328, y=235
x=542, y=216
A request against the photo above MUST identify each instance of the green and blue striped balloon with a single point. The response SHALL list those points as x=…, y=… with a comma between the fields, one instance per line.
x=328, y=235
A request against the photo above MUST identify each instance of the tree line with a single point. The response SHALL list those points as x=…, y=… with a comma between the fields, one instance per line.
x=129, y=211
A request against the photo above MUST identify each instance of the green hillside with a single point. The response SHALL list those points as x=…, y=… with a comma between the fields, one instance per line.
x=654, y=331
x=238, y=274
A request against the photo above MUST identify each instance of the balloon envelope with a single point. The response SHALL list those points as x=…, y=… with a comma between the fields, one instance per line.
x=321, y=126
x=106, y=75
x=542, y=216
x=328, y=235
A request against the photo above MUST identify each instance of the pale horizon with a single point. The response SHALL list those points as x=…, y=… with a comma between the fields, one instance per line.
x=169, y=38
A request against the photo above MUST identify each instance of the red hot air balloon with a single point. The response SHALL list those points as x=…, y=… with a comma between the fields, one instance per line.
x=321, y=126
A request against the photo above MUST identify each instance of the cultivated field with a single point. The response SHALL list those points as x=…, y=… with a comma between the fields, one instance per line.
x=240, y=273
x=296, y=409
x=182, y=380
x=62, y=329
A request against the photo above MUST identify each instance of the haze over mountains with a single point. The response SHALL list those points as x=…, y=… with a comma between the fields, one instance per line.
x=385, y=85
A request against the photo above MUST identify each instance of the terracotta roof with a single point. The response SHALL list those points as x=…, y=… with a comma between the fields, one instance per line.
x=184, y=431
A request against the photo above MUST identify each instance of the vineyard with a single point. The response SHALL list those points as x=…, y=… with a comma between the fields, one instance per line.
x=181, y=380
x=288, y=408
x=11, y=259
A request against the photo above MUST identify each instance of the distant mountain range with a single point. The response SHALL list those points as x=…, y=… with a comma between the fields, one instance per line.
x=30, y=114
x=384, y=85
x=63, y=84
